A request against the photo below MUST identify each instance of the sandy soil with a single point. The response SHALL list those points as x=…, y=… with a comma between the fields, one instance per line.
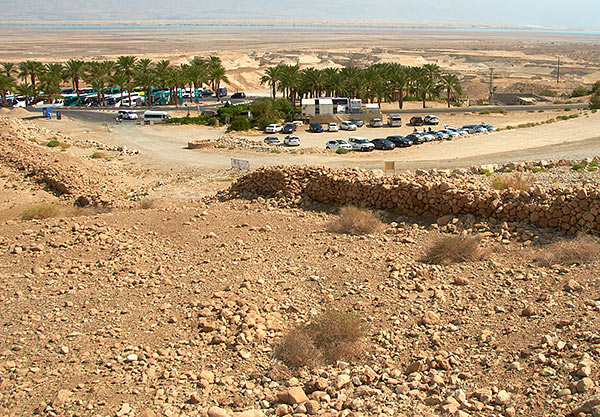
x=524, y=62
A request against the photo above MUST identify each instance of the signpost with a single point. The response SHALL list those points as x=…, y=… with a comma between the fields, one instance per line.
x=240, y=164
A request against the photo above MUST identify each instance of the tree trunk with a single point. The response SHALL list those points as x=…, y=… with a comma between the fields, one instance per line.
x=76, y=85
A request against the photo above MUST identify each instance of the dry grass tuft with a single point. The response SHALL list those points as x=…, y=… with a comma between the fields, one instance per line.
x=41, y=211
x=453, y=249
x=147, y=204
x=581, y=250
x=331, y=337
x=514, y=181
x=355, y=221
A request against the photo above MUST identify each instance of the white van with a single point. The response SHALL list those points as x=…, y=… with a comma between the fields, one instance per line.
x=156, y=116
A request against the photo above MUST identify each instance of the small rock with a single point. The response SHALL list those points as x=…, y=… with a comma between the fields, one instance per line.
x=294, y=395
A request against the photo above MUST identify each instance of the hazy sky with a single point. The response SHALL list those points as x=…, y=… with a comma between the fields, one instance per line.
x=548, y=13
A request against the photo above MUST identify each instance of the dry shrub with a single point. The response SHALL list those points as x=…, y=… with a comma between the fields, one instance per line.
x=331, y=337
x=581, y=250
x=355, y=221
x=514, y=181
x=147, y=204
x=297, y=349
x=452, y=249
x=41, y=211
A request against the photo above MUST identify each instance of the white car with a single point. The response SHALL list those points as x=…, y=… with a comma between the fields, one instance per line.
x=361, y=144
x=332, y=127
x=346, y=125
x=395, y=121
x=450, y=133
x=333, y=145
x=274, y=128
x=127, y=115
x=376, y=123
x=291, y=140
x=431, y=120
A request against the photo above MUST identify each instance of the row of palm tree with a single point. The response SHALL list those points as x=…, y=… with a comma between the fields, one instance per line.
x=381, y=82
x=127, y=73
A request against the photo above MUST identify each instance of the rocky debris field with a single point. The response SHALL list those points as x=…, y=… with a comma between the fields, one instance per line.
x=180, y=311
x=44, y=157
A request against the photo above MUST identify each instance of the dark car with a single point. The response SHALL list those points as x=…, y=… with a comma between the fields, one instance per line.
x=383, y=144
x=207, y=93
x=238, y=95
x=289, y=128
x=400, y=141
x=316, y=127
x=415, y=138
x=416, y=121
x=358, y=122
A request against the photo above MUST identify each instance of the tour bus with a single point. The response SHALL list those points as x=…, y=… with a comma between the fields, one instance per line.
x=156, y=116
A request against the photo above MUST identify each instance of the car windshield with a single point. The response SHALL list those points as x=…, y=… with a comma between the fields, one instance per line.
x=360, y=140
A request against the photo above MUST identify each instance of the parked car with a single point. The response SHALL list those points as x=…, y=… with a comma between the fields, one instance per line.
x=291, y=140
x=272, y=140
x=206, y=93
x=431, y=120
x=288, y=128
x=395, y=121
x=440, y=135
x=333, y=145
x=361, y=144
x=346, y=125
x=428, y=136
x=383, y=144
x=358, y=122
x=416, y=121
x=400, y=141
x=474, y=128
x=315, y=128
x=209, y=113
x=489, y=128
x=460, y=132
x=376, y=122
x=240, y=94
x=451, y=133
x=332, y=127
x=415, y=138
x=274, y=128
x=127, y=115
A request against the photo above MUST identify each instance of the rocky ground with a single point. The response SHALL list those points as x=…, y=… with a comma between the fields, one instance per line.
x=179, y=309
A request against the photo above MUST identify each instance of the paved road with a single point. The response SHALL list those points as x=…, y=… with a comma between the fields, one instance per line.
x=478, y=109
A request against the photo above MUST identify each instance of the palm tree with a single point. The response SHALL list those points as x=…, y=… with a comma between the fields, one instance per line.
x=54, y=70
x=399, y=78
x=97, y=75
x=126, y=64
x=74, y=71
x=451, y=83
x=26, y=90
x=289, y=81
x=6, y=84
x=146, y=80
x=216, y=74
x=120, y=79
x=271, y=77
x=50, y=85
x=31, y=69
x=425, y=85
x=196, y=74
x=8, y=68
x=332, y=82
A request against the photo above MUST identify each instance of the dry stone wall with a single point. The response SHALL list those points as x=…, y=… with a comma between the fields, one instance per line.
x=571, y=209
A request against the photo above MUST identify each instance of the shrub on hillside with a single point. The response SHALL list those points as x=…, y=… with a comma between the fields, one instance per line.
x=595, y=100
x=580, y=91
x=454, y=249
x=581, y=250
x=41, y=211
x=355, y=221
x=332, y=336
x=239, y=123
x=514, y=181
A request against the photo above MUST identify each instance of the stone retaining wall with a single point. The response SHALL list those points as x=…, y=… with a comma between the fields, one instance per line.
x=431, y=196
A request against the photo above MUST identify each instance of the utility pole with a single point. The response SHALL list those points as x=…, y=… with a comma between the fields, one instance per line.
x=558, y=72
x=491, y=85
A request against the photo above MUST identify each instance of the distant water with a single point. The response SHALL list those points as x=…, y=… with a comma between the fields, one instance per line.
x=352, y=26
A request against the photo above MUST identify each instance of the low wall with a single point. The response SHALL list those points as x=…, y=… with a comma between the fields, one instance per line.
x=431, y=196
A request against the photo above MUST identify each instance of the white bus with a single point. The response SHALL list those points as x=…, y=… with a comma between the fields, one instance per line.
x=156, y=116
